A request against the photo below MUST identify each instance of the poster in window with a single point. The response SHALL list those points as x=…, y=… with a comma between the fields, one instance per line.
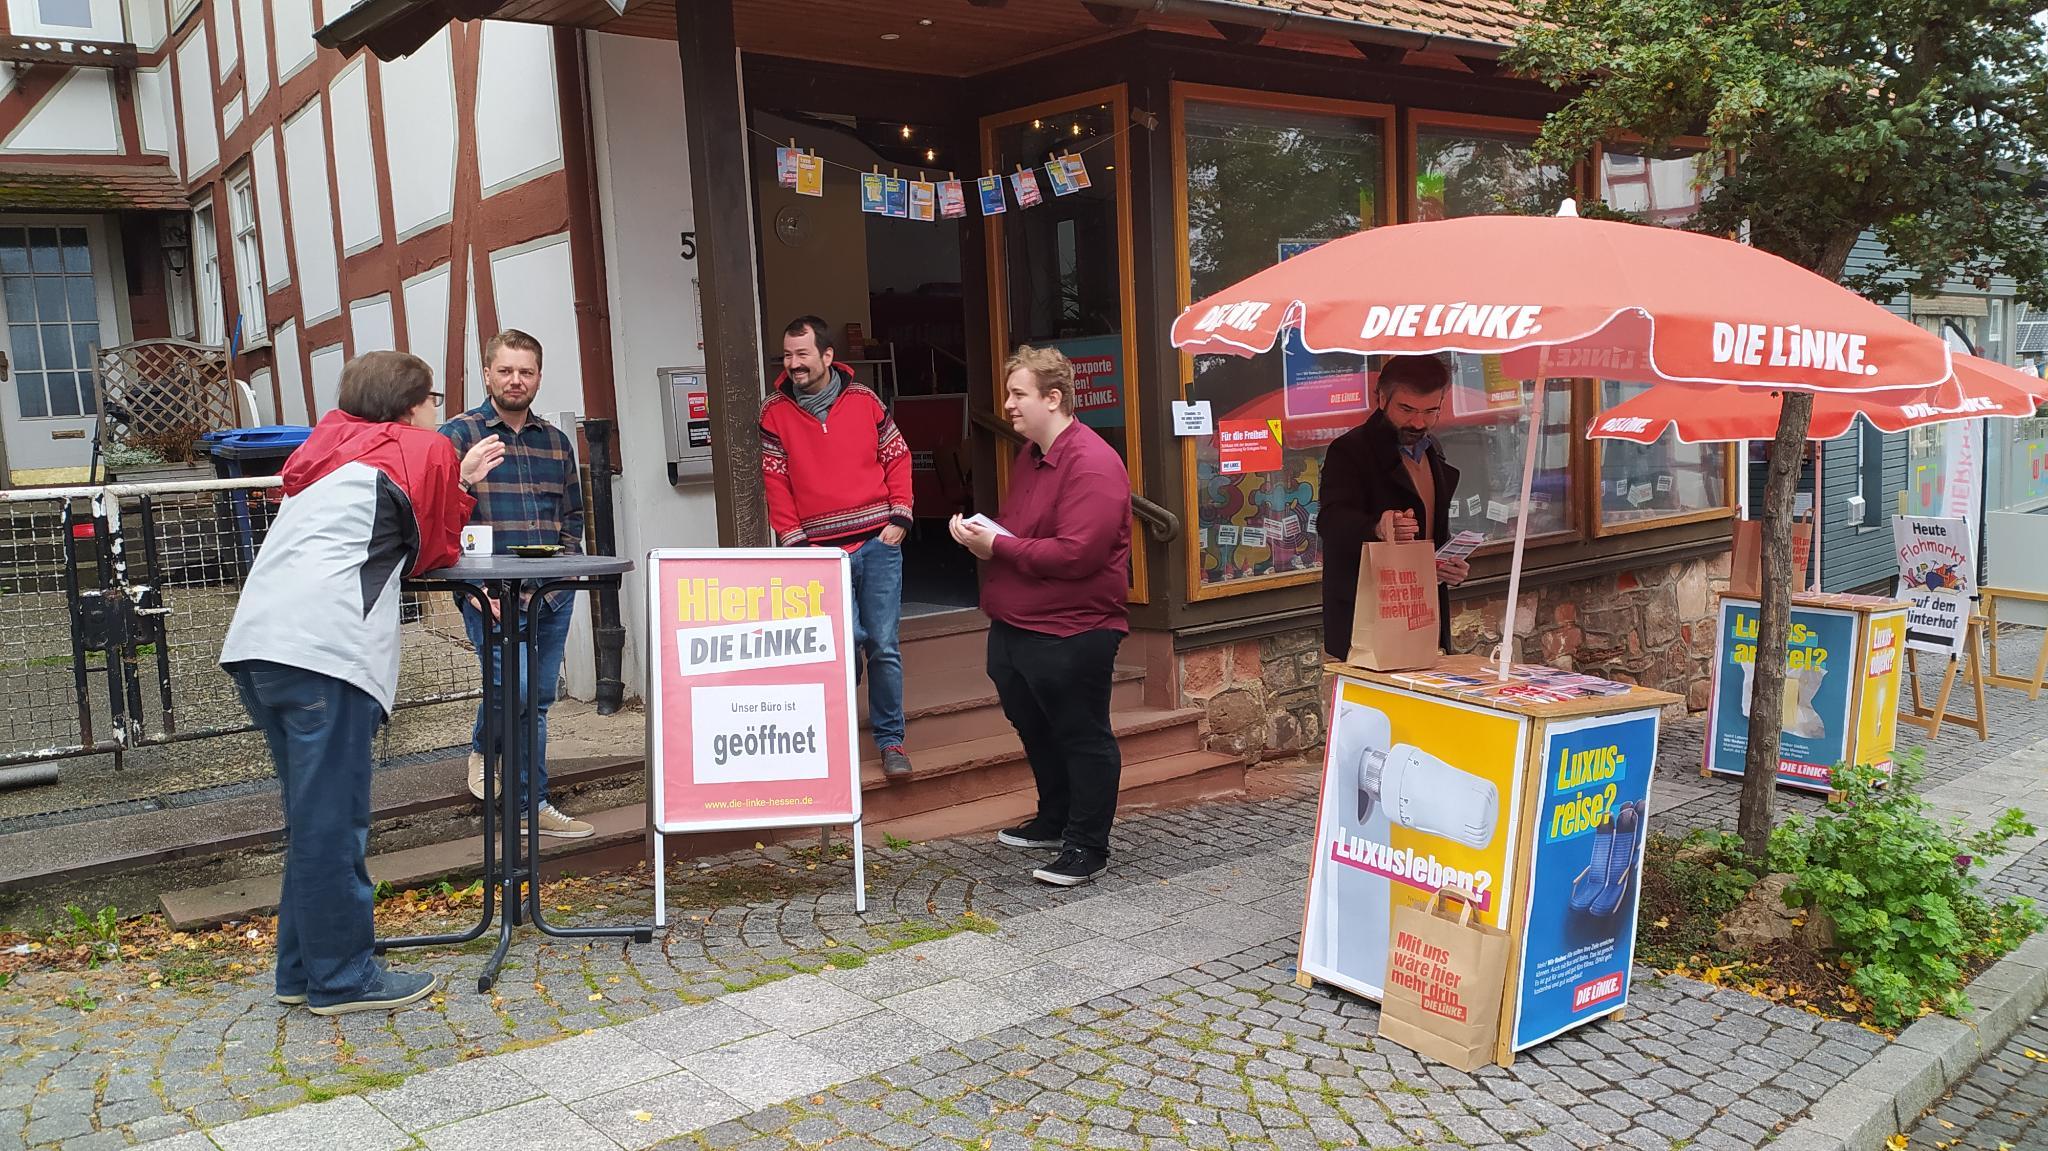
x=990, y=189
x=874, y=198
x=952, y=204
x=1098, y=378
x=922, y=201
x=810, y=175
x=1025, y=180
x=1315, y=385
x=1247, y=446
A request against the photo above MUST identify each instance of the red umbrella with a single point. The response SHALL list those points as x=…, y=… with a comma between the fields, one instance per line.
x=1648, y=303
x=1579, y=298
x=1710, y=415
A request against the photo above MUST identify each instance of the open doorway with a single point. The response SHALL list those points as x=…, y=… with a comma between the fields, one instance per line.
x=892, y=290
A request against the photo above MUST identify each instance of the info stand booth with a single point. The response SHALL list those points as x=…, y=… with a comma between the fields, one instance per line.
x=1532, y=793
x=1841, y=698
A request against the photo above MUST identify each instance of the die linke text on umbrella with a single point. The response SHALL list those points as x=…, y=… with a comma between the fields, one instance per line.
x=1790, y=346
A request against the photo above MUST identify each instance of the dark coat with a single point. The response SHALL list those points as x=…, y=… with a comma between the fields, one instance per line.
x=1363, y=477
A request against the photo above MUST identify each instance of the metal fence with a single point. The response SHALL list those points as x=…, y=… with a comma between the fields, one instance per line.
x=114, y=602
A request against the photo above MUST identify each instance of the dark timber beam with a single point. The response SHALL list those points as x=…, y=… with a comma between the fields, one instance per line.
x=715, y=128
x=1243, y=35
x=1109, y=15
x=1480, y=65
x=1386, y=55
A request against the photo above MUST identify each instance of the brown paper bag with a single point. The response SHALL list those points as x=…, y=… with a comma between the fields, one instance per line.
x=1745, y=568
x=1394, y=627
x=1445, y=978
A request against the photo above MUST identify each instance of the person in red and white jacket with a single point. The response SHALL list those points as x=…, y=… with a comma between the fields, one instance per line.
x=837, y=474
x=372, y=495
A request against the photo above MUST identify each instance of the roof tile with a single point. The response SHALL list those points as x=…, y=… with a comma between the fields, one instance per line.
x=1491, y=21
x=104, y=187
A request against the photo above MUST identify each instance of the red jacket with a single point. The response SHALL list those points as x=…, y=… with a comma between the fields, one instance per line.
x=839, y=480
x=419, y=460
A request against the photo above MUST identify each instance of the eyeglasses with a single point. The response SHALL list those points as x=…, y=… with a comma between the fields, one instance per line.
x=437, y=397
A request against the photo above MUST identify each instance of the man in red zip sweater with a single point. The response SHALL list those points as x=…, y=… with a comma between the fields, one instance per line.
x=1054, y=579
x=837, y=474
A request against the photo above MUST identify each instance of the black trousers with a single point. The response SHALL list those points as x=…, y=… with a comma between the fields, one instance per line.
x=1055, y=691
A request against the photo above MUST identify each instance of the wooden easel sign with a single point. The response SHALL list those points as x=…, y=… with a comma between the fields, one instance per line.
x=1968, y=664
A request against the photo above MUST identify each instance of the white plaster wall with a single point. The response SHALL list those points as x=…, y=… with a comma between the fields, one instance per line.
x=419, y=127
x=201, y=130
x=312, y=215
x=231, y=115
x=426, y=319
x=291, y=382
x=146, y=24
x=227, y=52
x=535, y=290
x=78, y=115
x=644, y=200
x=327, y=365
x=518, y=127
x=370, y=323
x=472, y=340
x=293, y=22
x=256, y=39
x=277, y=270
x=261, y=382
x=153, y=112
x=6, y=78
x=355, y=166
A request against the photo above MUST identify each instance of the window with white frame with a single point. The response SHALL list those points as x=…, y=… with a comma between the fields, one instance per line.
x=206, y=291
x=100, y=20
x=248, y=249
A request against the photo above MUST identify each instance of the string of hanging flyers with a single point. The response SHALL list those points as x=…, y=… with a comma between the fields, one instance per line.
x=892, y=194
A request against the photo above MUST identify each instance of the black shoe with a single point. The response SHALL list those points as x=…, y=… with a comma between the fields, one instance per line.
x=1030, y=835
x=1073, y=868
x=393, y=990
x=895, y=764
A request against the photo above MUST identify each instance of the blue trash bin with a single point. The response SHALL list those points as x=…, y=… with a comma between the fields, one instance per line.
x=238, y=453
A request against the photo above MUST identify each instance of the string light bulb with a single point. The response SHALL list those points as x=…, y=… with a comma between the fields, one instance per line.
x=906, y=131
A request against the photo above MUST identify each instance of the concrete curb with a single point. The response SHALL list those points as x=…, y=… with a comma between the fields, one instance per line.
x=1886, y=1095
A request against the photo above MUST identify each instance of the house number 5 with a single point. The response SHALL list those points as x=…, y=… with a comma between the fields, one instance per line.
x=689, y=245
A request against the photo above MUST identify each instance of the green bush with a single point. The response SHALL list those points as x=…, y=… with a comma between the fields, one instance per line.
x=1898, y=886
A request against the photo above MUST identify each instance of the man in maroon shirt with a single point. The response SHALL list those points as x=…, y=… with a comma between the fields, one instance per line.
x=1054, y=578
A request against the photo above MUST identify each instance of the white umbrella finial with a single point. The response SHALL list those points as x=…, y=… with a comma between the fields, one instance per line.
x=1568, y=209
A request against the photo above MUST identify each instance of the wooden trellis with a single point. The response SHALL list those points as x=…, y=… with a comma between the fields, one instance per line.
x=162, y=395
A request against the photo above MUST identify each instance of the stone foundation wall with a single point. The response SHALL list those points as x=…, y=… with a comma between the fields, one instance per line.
x=1653, y=626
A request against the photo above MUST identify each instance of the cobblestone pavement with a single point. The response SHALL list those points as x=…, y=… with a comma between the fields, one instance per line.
x=2002, y=1105
x=1155, y=1009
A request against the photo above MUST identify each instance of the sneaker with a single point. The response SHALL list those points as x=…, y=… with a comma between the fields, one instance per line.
x=393, y=990
x=476, y=774
x=1030, y=835
x=298, y=1000
x=553, y=822
x=1072, y=869
x=895, y=764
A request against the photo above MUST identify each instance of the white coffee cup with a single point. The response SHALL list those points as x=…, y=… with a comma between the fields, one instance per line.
x=476, y=540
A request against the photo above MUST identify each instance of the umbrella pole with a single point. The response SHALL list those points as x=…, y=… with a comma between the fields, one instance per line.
x=1507, y=627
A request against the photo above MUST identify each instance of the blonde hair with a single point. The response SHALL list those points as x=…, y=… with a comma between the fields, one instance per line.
x=515, y=339
x=1049, y=367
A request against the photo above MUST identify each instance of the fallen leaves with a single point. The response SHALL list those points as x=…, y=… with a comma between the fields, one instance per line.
x=1896, y=1143
x=643, y=1117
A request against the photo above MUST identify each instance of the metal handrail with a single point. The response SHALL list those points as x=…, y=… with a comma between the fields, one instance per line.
x=1160, y=523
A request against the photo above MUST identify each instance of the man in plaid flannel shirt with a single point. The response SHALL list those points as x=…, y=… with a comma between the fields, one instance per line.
x=534, y=497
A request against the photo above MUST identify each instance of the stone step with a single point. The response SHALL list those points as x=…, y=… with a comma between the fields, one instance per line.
x=963, y=772
x=1189, y=777
x=951, y=705
x=618, y=837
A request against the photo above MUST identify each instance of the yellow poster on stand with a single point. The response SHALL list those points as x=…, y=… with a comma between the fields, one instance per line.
x=1418, y=793
x=1877, y=705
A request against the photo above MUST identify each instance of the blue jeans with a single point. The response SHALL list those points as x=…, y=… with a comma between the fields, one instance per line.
x=320, y=732
x=546, y=661
x=877, y=609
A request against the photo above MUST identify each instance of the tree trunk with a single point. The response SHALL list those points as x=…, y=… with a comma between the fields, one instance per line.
x=1766, y=714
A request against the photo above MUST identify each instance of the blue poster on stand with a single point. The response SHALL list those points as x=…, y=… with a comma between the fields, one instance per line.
x=1318, y=385
x=1586, y=878
x=1818, y=702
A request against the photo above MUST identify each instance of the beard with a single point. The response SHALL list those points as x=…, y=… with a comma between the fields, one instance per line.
x=507, y=404
x=1410, y=438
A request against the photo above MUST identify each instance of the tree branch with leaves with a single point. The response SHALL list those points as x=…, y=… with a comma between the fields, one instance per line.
x=1924, y=122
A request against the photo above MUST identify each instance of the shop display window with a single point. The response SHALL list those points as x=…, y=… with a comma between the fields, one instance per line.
x=1645, y=483
x=1264, y=184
